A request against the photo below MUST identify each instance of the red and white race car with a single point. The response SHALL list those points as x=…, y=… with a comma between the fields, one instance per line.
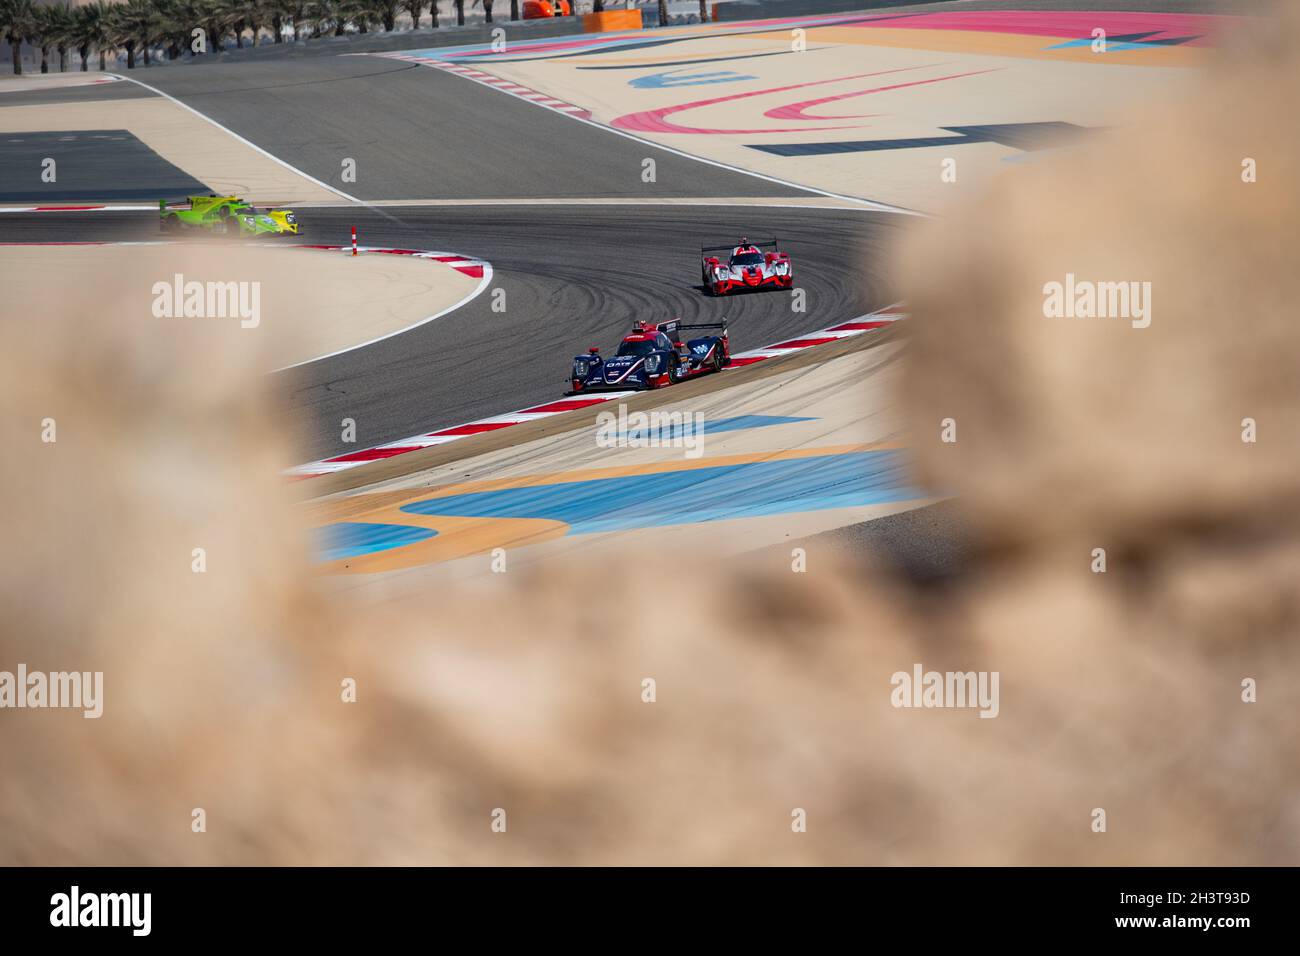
x=747, y=267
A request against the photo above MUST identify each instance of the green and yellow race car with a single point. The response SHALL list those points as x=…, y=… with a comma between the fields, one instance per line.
x=225, y=214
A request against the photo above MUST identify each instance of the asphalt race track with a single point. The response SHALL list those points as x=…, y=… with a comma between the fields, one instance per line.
x=420, y=133
x=573, y=276
x=89, y=158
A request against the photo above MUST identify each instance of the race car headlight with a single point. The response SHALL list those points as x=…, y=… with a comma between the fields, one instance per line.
x=290, y=218
x=652, y=363
x=581, y=367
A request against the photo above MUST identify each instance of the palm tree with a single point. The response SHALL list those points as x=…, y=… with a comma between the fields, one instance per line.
x=415, y=7
x=293, y=11
x=17, y=21
x=460, y=12
x=386, y=12
x=87, y=32
x=663, y=13
x=93, y=32
x=65, y=34
x=514, y=9
x=134, y=24
x=360, y=13
x=282, y=13
x=241, y=15
x=321, y=15
x=176, y=18
x=57, y=24
x=119, y=32
x=44, y=28
x=232, y=16
x=704, y=11
x=487, y=10
x=211, y=19
x=155, y=29
x=337, y=16
x=273, y=11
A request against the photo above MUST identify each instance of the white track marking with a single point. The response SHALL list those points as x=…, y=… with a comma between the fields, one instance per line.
x=433, y=256
x=251, y=145
x=736, y=203
x=478, y=290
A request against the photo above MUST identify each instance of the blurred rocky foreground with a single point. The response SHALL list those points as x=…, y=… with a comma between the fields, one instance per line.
x=1119, y=691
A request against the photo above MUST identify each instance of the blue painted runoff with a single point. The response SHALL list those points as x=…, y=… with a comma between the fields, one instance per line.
x=750, y=489
x=349, y=539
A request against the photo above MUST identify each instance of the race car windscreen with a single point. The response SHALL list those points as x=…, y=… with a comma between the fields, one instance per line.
x=644, y=347
x=747, y=259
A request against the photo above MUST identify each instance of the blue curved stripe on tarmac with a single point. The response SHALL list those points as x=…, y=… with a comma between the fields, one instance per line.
x=348, y=539
x=751, y=489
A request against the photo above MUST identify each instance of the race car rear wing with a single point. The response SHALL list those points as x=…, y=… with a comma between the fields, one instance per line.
x=672, y=328
x=766, y=244
x=188, y=201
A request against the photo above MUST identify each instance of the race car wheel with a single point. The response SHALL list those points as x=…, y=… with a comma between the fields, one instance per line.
x=172, y=223
x=718, y=360
x=674, y=364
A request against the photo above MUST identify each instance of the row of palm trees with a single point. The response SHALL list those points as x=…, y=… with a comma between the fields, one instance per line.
x=144, y=26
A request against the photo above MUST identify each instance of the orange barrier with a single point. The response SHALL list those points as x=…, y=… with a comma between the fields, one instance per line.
x=611, y=20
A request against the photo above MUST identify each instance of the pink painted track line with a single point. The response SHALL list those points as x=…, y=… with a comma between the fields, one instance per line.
x=866, y=323
x=1201, y=29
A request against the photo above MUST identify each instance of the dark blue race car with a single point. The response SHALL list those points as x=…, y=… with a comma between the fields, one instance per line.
x=652, y=356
